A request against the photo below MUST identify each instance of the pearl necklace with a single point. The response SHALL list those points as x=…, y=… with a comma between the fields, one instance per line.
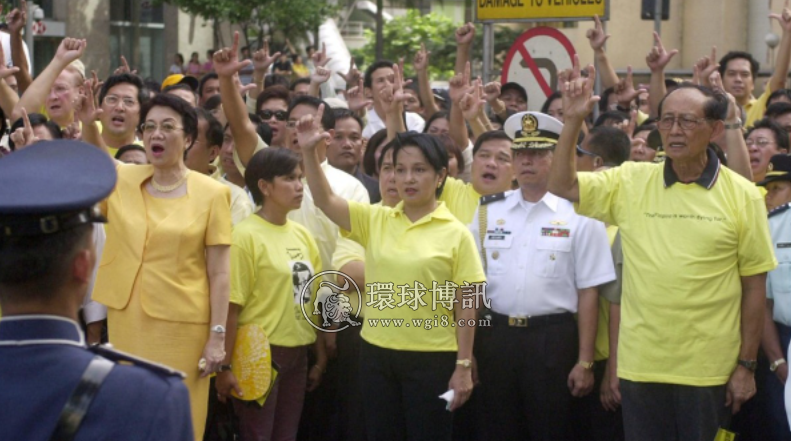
x=168, y=188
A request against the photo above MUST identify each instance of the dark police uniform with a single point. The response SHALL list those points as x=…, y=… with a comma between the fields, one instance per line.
x=51, y=385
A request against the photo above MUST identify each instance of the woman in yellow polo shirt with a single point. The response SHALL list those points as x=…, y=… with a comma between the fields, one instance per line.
x=271, y=259
x=421, y=249
x=164, y=269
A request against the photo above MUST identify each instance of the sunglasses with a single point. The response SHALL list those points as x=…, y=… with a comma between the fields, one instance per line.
x=279, y=115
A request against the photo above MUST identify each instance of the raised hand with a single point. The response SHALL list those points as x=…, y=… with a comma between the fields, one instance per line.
x=706, y=66
x=320, y=75
x=70, y=49
x=783, y=19
x=393, y=97
x=596, y=36
x=124, y=68
x=6, y=71
x=352, y=76
x=72, y=131
x=491, y=91
x=17, y=19
x=578, y=98
x=459, y=84
x=320, y=58
x=734, y=111
x=472, y=102
x=658, y=57
x=24, y=136
x=625, y=91
x=421, y=58
x=310, y=132
x=262, y=60
x=355, y=97
x=85, y=108
x=465, y=34
x=226, y=60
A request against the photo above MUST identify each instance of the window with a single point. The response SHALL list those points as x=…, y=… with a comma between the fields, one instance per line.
x=141, y=41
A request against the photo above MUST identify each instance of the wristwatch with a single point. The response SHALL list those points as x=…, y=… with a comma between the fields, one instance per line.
x=224, y=367
x=776, y=364
x=736, y=125
x=465, y=362
x=752, y=365
x=586, y=364
x=220, y=329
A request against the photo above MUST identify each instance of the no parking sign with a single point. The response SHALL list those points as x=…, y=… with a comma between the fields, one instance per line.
x=534, y=61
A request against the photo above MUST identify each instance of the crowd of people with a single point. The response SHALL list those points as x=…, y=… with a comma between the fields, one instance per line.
x=272, y=259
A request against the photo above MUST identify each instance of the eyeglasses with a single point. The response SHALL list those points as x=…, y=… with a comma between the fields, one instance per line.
x=686, y=122
x=113, y=100
x=291, y=124
x=279, y=115
x=761, y=142
x=166, y=127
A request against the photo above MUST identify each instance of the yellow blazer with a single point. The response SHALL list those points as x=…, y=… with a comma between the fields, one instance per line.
x=170, y=261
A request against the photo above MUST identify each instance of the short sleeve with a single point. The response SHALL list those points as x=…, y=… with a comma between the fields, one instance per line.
x=599, y=193
x=218, y=229
x=243, y=271
x=259, y=146
x=346, y=251
x=360, y=220
x=593, y=264
x=467, y=266
x=755, y=250
x=612, y=291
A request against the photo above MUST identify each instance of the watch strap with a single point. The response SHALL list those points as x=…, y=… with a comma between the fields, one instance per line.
x=752, y=365
x=776, y=364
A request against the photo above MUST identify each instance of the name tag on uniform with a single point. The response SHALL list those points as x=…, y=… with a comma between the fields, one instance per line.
x=784, y=245
x=498, y=239
x=555, y=232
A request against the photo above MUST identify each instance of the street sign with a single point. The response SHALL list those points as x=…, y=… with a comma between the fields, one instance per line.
x=540, y=10
x=534, y=61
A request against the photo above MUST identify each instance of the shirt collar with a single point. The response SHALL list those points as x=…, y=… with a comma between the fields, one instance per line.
x=706, y=180
x=20, y=330
x=441, y=212
x=514, y=200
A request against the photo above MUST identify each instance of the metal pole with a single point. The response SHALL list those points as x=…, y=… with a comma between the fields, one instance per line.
x=658, y=16
x=31, y=10
x=597, y=84
x=488, y=51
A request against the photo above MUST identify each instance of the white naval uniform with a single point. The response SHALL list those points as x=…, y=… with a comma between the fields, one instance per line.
x=539, y=254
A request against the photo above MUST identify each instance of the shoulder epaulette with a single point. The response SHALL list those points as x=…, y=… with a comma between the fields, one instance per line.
x=492, y=198
x=115, y=355
x=779, y=209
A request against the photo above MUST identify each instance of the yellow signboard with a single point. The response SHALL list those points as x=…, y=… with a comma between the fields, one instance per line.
x=519, y=10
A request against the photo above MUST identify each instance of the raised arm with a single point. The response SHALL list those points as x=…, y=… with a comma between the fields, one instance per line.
x=87, y=112
x=459, y=85
x=779, y=76
x=424, y=84
x=227, y=64
x=625, y=93
x=735, y=147
x=16, y=21
x=309, y=135
x=8, y=98
x=320, y=76
x=597, y=39
x=578, y=102
x=492, y=93
x=471, y=106
x=464, y=36
x=657, y=60
x=393, y=98
x=33, y=99
x=261, y=62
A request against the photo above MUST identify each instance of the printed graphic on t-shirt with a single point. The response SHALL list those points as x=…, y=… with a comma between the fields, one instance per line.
x=301, y=273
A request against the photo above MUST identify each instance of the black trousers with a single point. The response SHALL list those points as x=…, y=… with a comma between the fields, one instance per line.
x=592, y=422
x=401, y=392
x=524, y=373
x=671, y=412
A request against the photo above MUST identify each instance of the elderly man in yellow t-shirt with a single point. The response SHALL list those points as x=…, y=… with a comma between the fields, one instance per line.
x=696, y=252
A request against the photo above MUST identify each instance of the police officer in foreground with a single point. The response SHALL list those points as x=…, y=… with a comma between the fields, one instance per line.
x=51, y=386
x=543, y=264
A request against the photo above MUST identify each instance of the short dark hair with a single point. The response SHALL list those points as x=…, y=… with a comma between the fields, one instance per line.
x=213, y=102
x=555, y=96
x=152, y=85
x=387, y=147
x=777, y=109
x=733, y=55
x=305, y=80
x=437, y=115
x=605, y=98
x=716, y=107
x=779, y=93
x=340, y=114
x=436, y=155
x=452, y=149
x=609, y=143
x=36, y=119
x=38, y=265
x=267, y=164
x=415, y=87
x=125, y=78
x=489, y=136
x=129, y=148
x=610, y=115
x=189, y=118
x=781, y=136
x=270, y=93
x=647, y=126
x=327, y=121
x=214, y=132
x=369, y=160
x=275, y=80
x=376, y=65
x=206, y=78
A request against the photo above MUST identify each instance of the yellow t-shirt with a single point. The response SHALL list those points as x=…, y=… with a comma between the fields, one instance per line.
x=602, y=345
x=685, y=249
x=461, y=199
x=241, y=205
x=408, y=264
x=269, y=266
x=756, y=108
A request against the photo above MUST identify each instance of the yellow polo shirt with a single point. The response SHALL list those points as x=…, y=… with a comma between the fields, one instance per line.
x=408, y=263
x=685, y=248
x=269, y=266
x=602, y=344
x=755, y=109
x=461, y=199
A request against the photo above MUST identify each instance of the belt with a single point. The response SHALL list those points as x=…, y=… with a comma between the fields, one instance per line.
x=528, y=321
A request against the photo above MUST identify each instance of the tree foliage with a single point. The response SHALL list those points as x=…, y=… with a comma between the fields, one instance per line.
x=403, y=36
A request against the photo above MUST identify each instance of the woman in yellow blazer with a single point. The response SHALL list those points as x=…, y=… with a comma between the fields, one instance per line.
x=164, y=273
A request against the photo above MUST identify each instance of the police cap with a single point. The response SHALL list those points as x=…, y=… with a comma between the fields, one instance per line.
x=533, y=130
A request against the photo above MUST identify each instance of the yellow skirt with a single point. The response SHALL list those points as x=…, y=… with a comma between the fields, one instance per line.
x=174, y=344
